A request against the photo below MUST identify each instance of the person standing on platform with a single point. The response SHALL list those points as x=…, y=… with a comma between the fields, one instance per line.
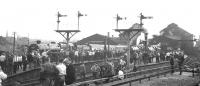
x=95, y=71
x=2, y=76
x=48, y=73
x=145, y=57
x=167, y=56
x=120, y=75
x=2, y=60
x=62, y=73
x=15, y=66
x=162, y=56
x=180, y=61
x=172, y=63
x=133, y=58
x=9, y=63
x=24, y=61
x=82, y=71
x=30, y=59
x=122, y=64
x=44, y=57
x=157, y=57
x=76, y=56
x=70, y=71
x=19, y=62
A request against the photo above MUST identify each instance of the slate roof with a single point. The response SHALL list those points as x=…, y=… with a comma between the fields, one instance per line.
x=4, y=44
x=173, y=30
x=99, y=39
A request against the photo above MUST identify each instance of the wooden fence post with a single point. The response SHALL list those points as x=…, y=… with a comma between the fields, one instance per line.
x=158, y=75
x=129, y=83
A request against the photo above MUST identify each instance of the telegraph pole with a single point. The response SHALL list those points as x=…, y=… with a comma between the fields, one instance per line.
x=7, y=33
x=28, y=39
x=105, y=48
x=14, y=44
x=108, y=42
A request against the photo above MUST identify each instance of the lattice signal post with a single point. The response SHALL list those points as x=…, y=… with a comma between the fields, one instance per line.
x=129, y=31
x=117, y=20
x=67, y=34
x=141, y=25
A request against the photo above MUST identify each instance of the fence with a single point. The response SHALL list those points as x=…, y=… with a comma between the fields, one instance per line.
x=133, y=76
x=144, y=71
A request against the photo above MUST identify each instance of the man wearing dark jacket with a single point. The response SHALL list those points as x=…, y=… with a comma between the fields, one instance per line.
x=180, y=62
x=70, y=72
x=24, y=62
x=172, y=63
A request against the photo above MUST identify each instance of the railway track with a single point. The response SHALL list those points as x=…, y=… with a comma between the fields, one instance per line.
x=31, y=77
x=143, y=72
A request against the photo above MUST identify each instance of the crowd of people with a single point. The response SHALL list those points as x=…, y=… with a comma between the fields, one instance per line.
x=145, y=57
x=79, y=56
x=6, y=62
x=62, y=71
x=58, y=74
x=12, y=63
x=178, y=56
x=175, y=57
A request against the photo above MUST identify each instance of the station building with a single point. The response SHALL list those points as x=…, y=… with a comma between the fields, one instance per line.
x=98, y=41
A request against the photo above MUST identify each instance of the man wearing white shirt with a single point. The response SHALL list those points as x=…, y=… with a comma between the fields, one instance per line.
x=2, y=57
x=62, y=72
x=19, y=63
x=76, y=53
x=15, y=61
x=122, y=62
x=121, y=74
x=2, y=76
x=2, y=60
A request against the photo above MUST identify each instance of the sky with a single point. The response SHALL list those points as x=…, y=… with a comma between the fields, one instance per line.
x=37, y=18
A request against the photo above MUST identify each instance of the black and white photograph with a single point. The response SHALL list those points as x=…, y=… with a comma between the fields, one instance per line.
x=99, y=43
